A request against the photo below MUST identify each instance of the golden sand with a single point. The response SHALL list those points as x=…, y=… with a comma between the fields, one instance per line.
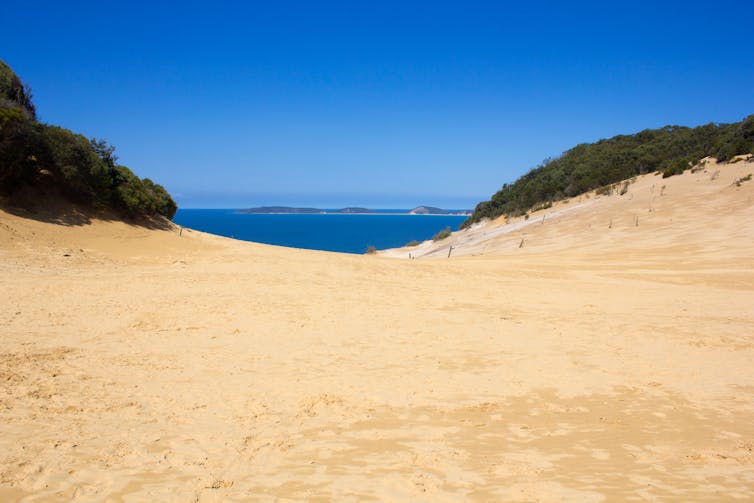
x=610, y=357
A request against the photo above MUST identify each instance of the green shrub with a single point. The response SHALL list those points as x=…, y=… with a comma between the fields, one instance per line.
x=442, y=234
x=605, y=190
x=675, y=167
x=371, y=250
x=542, y=206
x=743, y=179
x=413, y=243
x=15, y=92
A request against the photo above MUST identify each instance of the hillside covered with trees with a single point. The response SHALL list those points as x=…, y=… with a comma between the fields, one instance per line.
x=671, y=150
x=35, y=155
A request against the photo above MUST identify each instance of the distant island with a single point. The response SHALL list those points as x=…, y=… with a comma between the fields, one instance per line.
x=431, y=210
x=419, y=210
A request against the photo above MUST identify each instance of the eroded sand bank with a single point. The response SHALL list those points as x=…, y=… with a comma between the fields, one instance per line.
x=598, y=362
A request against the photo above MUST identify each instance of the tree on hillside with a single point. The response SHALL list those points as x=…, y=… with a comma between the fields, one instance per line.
x=105, y=151
x=13, y=91
x=585, y=167
x=34, y=154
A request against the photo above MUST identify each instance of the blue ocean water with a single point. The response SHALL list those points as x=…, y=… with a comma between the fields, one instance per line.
x=332, y=232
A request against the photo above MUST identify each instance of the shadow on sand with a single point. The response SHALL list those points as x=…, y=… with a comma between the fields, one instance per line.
x=57, y=210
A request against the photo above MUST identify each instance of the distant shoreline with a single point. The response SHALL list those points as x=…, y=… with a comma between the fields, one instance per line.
x=286, y=210
x=335, y=213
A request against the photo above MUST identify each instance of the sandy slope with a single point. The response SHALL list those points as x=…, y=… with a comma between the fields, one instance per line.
x=596, y=362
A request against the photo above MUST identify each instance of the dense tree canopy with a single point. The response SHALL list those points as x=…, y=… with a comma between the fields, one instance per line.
x=586, y=167
x=37, y=154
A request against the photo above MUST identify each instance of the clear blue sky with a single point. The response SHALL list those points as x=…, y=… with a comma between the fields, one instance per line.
x=381, y=103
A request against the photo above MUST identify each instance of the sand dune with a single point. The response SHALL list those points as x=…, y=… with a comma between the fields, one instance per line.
x=602, y=360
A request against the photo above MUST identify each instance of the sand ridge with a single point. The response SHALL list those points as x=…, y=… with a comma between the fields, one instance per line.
x=597, y=362
x=652, y=211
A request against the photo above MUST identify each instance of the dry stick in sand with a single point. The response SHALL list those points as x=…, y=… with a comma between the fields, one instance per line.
x=180, y=232
x=450, y=250
x=637, y=220
x=610, y=225
x=521, y=244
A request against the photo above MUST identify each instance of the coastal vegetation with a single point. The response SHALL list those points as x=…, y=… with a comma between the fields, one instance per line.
x=743, y=179
x=669, y=150
x=52, y=159
x=442, y=234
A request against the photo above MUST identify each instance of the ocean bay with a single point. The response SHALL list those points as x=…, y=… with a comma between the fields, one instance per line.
x=345, y=233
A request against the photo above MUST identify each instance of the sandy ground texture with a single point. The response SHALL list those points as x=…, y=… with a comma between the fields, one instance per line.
x=605, y=358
